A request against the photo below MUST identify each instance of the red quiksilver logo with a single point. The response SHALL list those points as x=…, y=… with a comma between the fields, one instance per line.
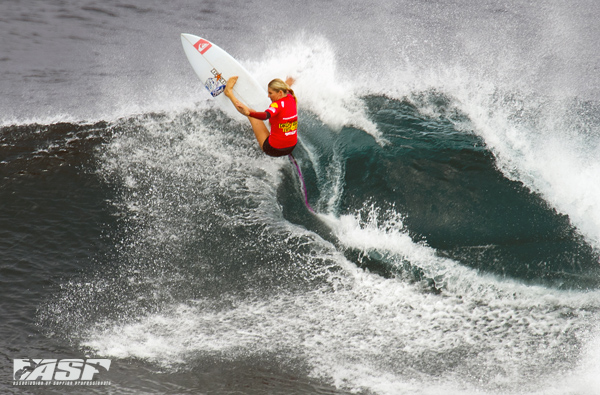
x=202, y=46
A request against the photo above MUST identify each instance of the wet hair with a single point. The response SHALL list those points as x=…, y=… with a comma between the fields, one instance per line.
x=279, y=85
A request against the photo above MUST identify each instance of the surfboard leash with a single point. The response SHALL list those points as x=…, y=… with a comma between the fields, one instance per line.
x=293, y=160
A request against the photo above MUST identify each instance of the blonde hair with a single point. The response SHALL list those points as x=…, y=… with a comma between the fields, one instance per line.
x=280, y=86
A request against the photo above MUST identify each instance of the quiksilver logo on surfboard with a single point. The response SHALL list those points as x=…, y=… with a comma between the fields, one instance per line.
x=202, y=46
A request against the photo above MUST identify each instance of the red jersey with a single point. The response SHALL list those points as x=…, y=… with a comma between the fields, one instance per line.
x=283, y=117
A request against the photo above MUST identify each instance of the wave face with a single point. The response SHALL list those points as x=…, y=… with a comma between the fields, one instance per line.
x=450, y=155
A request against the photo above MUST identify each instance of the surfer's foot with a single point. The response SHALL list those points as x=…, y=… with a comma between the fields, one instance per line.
x=229, y=87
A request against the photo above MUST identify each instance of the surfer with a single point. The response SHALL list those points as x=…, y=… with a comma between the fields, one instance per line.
x=282, y=115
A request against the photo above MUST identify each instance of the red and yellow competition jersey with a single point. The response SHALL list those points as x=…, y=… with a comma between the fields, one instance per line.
x=283, y=117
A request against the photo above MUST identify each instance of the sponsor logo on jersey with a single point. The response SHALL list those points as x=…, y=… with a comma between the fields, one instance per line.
x=289, y=128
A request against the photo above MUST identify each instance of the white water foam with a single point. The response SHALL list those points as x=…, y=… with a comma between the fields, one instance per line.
x=539, y=142
x=549, y=143
x=369, y=333
x=359, y=331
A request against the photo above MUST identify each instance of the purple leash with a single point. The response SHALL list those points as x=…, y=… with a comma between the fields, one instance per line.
x=293, y=160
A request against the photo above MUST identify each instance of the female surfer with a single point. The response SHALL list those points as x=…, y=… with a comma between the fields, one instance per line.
x=282, y=115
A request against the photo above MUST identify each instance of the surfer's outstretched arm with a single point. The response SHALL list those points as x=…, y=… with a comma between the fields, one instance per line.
x=258, y=126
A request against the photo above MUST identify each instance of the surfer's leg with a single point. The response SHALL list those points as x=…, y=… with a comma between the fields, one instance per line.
x=260, y=130
x=229, y=88
x=229, y=93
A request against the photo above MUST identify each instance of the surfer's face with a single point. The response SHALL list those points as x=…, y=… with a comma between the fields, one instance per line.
x=275, y=95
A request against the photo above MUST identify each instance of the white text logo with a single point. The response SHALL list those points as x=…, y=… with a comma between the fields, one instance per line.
x=31, y=371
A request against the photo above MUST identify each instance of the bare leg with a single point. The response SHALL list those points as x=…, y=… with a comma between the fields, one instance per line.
x=229, y=93
x=260, y=129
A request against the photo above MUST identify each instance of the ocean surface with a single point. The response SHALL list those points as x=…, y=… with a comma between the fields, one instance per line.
x=451, y=151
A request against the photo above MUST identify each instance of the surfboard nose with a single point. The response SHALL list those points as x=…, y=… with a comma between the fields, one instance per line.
x=190, y=38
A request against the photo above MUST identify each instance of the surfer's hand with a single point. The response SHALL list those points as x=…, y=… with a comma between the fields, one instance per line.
x=242, y=108
x=290, y=81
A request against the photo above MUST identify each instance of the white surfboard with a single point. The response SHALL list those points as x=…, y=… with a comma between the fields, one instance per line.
x=214, y=67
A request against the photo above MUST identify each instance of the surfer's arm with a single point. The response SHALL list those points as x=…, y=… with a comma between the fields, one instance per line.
x=242, y=108
x=263, y=116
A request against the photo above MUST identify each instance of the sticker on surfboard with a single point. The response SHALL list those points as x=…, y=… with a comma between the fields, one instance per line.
x=202, y=46
x=216, y=84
